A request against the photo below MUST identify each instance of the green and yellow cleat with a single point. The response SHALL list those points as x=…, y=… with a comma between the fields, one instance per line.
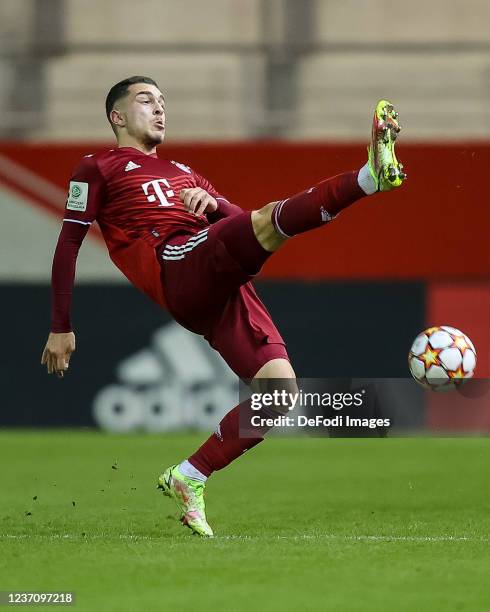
x=383, y=165
x=188, y=494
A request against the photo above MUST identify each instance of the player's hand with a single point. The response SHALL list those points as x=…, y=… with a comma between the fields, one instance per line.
x=57, y=352
x=197, y=201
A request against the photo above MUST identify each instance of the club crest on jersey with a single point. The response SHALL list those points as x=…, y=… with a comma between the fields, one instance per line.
x=77, y=196
x=182, y=167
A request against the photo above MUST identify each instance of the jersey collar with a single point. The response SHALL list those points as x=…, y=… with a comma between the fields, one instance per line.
x=137, y=151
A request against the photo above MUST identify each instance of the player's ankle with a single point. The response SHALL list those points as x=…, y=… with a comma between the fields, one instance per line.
x=366, y=180
x=187, y=469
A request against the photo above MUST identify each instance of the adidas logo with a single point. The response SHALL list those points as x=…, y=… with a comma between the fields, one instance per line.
x=177, y=382
x=131, y=166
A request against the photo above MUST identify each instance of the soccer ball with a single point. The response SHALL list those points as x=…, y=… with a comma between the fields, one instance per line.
x=442, y=358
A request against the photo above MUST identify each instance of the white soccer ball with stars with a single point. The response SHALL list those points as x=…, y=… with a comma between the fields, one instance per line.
x=442, y=358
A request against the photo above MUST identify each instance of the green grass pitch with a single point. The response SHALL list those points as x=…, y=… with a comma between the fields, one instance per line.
x=302, y=524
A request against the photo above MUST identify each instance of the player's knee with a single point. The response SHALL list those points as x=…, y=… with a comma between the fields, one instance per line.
x=277, y=379
x=264, y=229
x=279, y=368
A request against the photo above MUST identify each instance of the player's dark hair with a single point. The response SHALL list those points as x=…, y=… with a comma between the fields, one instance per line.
x=120, y=90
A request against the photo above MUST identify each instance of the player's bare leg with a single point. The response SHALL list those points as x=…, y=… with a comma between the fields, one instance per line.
x=276, y=222
x=275, y=368
x=264, y=230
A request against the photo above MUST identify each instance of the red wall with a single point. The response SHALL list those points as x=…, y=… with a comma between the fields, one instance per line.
x=467, y=307
x=435, y=227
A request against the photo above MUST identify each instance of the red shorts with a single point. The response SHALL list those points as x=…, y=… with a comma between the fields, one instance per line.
x=206, y=281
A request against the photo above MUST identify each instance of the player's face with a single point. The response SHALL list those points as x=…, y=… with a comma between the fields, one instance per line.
x=143, y=111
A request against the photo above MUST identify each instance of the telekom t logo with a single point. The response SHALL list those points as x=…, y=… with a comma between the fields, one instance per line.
x=158, y=192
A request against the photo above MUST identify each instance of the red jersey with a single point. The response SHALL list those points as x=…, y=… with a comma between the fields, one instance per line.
x=134, y=197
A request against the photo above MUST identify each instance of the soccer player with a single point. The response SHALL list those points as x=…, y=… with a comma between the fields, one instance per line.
x=193, y=252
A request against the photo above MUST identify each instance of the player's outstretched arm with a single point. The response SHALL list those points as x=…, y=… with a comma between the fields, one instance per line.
x=57, y=352
x=61, y=340
x=85, y=197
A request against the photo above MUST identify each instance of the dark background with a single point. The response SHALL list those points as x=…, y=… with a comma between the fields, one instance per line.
x=332, y=329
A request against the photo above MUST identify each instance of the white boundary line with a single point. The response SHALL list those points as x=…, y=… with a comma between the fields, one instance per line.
x=94, y=236
x=33, y=182
x=307, y=537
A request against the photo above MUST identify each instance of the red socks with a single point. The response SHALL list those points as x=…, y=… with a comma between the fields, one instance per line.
x=312, y=208
x=226, y=445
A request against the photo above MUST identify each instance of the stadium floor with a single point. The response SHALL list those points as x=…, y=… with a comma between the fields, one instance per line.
x=301, y=524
